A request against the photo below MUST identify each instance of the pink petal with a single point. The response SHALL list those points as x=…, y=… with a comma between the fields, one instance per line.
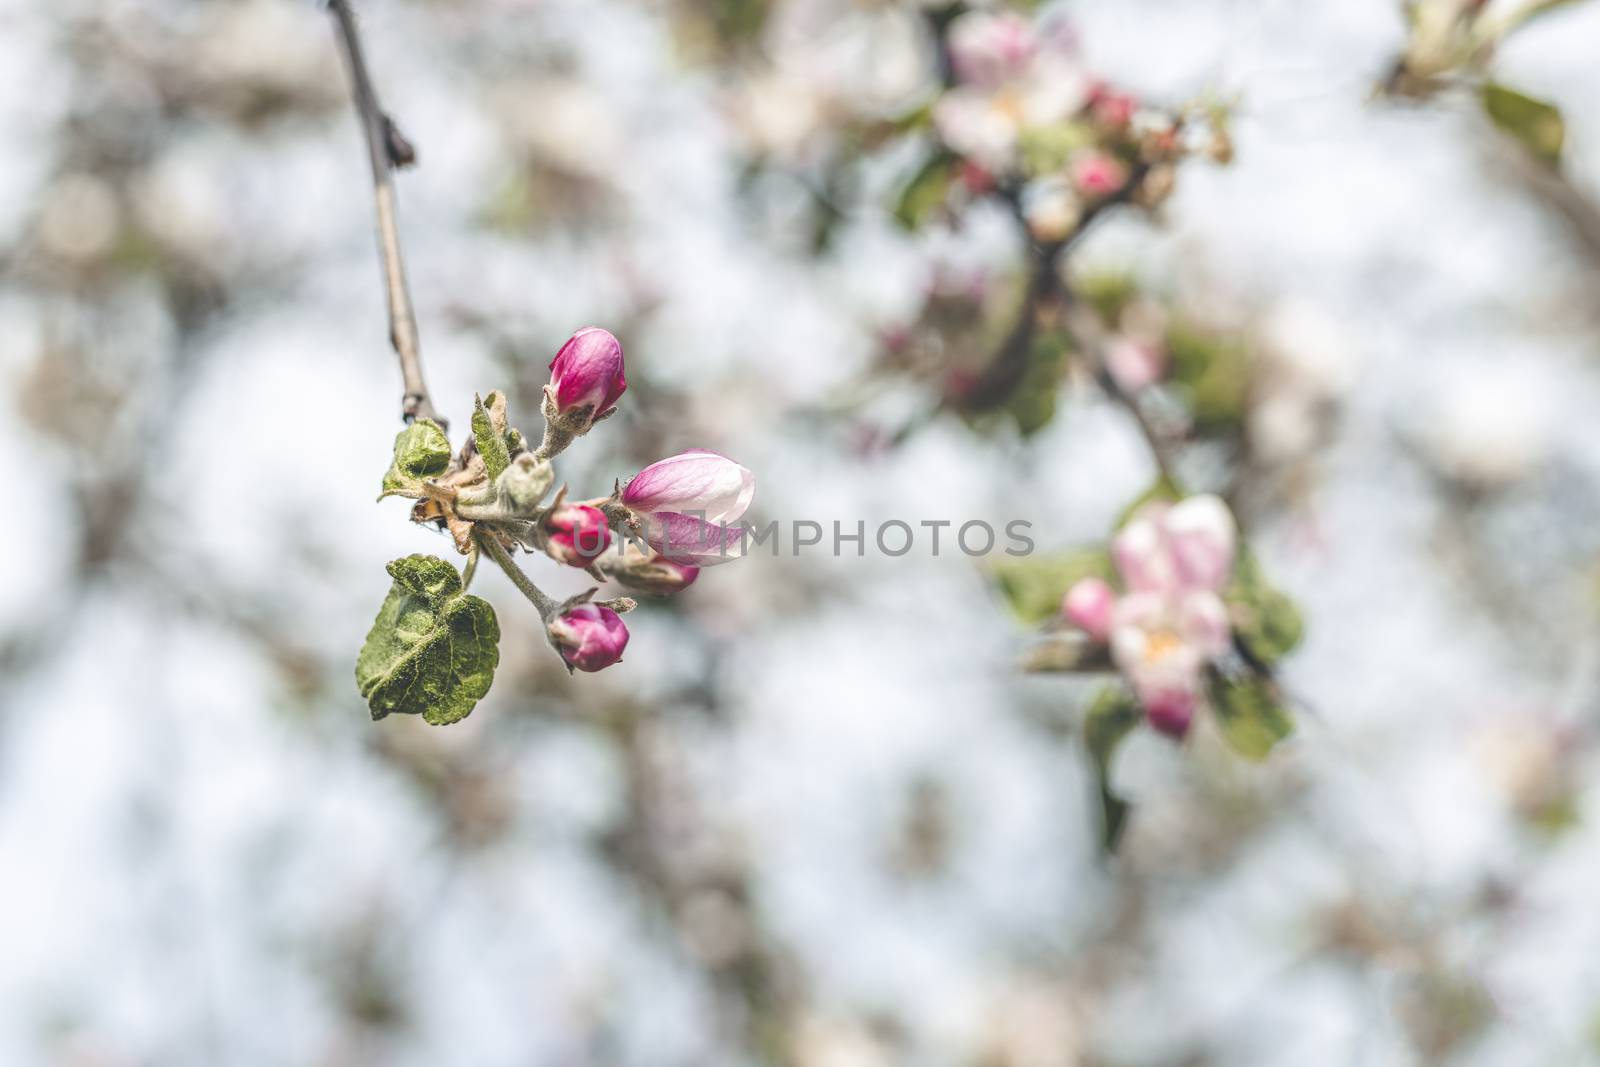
x=699, y=483
x=1140, y=552
x=1201, y=533
x=1089, y=605
x=1203, y=623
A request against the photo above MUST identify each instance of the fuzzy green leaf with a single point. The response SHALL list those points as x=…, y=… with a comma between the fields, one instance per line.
x=432, y=650
x=490, y=432
x=1250, y=714
x=1034, y=585
x=1538, y=125
x=421, y=451
x=1111, y=718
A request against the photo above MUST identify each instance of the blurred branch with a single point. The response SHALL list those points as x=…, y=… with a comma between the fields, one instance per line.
x=1001, y=377
x=1558, y=193
x=1089, y=343
x=388, y=149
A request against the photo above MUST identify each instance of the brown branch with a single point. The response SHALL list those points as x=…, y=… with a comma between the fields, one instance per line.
x=388, y=149
x=1006, y=370
x=1088, y=341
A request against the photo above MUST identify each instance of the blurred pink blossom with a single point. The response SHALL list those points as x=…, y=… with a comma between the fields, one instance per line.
x=1174, y=560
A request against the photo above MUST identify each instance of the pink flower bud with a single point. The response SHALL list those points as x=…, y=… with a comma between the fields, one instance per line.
x=1170, y=710
x=589, y=637
x=576, y=534
x=1098, y=174
x=655, y=574
x=586, y=376
x=1111, y=108
x=689, y=504
x=1089, y=605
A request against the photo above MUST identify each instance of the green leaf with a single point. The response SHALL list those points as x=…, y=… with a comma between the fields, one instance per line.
x=1162, y=489
x=1265, y=620
x=1108, y=292
x=1250, y=714
x=1111, y=718
x=1213, y=373
x=490, y=433
x=1535, y=123
x=1033, y=403
x=432, y=650
x=421, y=451
x=1034, y=585
x=926, y=191
x=1048, y=149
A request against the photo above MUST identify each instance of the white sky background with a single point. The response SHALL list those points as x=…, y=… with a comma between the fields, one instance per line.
x=175, y=842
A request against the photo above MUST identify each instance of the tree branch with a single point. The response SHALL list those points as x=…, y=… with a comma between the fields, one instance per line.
x=387, y=149
x=496, y=551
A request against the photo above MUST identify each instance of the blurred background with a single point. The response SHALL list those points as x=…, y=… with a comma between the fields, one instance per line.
x=818, y=816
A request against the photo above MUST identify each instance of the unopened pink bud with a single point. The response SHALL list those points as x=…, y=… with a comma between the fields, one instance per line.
x=1111, y=108
x=586, y=377
x=589, y=637
x=1089, y=605
x=656, y=575
x=1098, y=174
x=575, y=534
x=1170, y=710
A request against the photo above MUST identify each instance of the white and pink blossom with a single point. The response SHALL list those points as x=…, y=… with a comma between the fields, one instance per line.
x=1170, y=621
x=690, y=505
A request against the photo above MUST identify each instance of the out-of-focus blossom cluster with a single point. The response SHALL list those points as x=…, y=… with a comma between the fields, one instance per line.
x=1169, y=621
x=1023, y=118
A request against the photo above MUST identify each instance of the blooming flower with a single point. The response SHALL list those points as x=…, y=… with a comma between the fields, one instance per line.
x=991, y=48
x=689, y=504
x=1174, y=559
x=590, y=637
x=575, y=534
x=586, y=377
x=1012, y=76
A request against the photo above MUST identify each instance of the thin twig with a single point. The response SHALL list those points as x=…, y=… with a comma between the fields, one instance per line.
x=497, y=552
x=387, y=149
x=1092, y=349
x=1000, y=378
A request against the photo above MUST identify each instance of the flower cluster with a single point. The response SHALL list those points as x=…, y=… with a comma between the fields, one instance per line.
x=651, y=535
x=1170, y=620
x=1023, y=118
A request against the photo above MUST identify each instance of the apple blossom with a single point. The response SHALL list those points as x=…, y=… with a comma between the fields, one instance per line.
x=990, y=48
x=688, y=504
x=590, y=637
x=1174, y=560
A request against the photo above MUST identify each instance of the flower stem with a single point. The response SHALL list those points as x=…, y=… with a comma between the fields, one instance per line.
x=497, y=552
